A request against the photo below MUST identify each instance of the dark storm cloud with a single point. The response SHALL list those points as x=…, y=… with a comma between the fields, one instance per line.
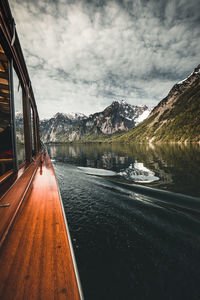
x=88, y=53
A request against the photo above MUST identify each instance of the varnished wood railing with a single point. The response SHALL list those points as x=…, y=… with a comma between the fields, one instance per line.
x=36, y=261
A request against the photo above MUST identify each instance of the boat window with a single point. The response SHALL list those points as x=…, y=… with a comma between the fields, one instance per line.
x=19, y=122
x=6, y=147
x=32, y=131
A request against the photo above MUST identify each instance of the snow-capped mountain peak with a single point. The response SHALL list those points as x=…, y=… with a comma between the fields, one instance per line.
x=143, y=116
x=128, y=112
x=75, y=115
x=71, y=116
x=117, y=117
x=195, y=72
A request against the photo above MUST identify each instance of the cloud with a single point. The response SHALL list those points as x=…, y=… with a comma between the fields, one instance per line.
x=82, y=55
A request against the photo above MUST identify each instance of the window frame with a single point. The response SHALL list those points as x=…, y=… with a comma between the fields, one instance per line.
x=9, y=172
x=17, y=164
x=15, y=58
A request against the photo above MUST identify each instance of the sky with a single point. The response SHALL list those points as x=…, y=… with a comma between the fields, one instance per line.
x=84, y=54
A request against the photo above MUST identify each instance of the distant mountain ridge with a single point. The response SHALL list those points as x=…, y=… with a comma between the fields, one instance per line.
x=175, y=119
x=117, y=117
x=52, y=130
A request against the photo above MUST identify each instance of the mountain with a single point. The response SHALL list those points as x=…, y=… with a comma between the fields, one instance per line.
x=175, y=119
x=117, y=117
x=54, y=129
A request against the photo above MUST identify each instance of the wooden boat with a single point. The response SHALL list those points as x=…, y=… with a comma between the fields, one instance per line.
x=36, y=255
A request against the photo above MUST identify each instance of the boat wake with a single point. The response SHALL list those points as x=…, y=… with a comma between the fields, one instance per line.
x=130, y=238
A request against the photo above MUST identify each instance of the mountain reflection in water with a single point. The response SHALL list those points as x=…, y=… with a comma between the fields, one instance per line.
x=172, y=167
x=133, y=240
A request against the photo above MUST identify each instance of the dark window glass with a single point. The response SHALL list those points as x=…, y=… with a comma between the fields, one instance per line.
x=19, y=123
x=32, y=132
x=6, y=148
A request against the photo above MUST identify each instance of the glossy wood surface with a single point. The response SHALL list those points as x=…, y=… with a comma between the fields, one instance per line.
x=14, y=197
x=35, y=258
x=5, y=176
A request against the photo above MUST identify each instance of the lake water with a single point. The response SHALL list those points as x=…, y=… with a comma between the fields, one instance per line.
x=134, y=218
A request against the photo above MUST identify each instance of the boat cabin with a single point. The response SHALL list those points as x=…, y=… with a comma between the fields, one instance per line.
x=36, y=253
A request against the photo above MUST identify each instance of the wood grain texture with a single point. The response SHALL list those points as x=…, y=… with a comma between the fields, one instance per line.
x=14, y=197
x=35, y=258
x=5, y=176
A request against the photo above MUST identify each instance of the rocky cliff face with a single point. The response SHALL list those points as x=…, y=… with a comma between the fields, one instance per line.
x=117, y=117
x=175, y=119
x=54, y=129
x=177, y=90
